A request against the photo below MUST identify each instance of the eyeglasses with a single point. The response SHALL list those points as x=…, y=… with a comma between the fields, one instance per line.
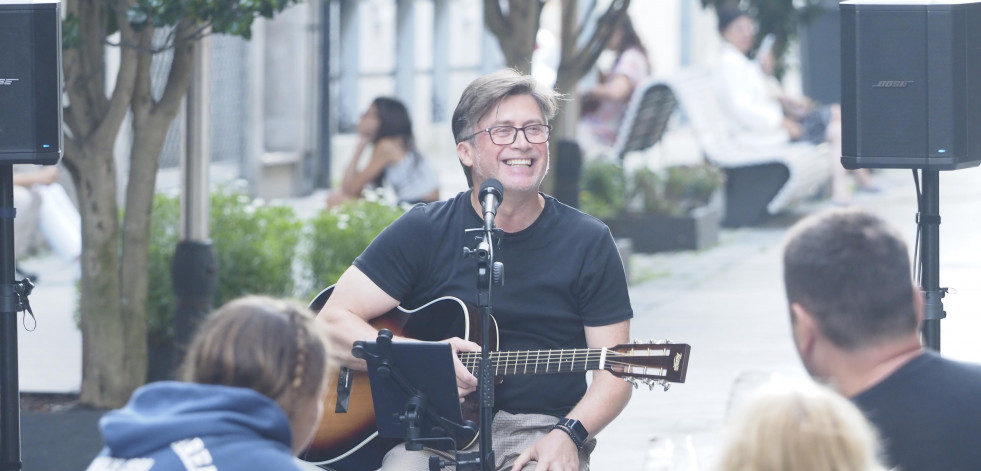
x=506, y=135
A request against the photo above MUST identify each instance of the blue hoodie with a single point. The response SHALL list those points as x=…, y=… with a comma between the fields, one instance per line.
x=172, y=426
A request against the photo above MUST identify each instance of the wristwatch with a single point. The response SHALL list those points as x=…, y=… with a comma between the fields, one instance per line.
x=575, y=429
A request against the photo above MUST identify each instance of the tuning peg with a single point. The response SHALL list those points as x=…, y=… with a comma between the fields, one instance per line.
x=635, y=341
x=632, y=381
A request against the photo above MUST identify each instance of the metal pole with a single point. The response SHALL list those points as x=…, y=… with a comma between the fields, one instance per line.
x=195, y=202
x=9, y=382
x=933, y=308
x=194, y=269
x=323, y=178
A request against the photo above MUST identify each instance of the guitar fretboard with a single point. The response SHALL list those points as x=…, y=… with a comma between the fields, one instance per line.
x=527, y=362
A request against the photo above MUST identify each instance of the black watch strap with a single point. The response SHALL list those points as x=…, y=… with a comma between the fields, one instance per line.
x=575, y=429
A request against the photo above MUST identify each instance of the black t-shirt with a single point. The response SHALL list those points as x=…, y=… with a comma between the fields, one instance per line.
x=560, y=274
x=928, y=414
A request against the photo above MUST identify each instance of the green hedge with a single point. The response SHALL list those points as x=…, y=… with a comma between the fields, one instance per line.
x=337, y=236
x=261, y=249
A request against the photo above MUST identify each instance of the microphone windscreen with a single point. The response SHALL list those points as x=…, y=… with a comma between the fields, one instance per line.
x=492, y=186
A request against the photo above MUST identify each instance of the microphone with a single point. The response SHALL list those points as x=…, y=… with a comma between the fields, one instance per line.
x=491, y=195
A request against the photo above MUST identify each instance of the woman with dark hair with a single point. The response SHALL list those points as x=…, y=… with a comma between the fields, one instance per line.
x=604, y=105
x=394, y=161
x=249, y=397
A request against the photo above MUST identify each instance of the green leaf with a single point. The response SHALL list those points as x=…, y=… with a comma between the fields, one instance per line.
x=71, y=32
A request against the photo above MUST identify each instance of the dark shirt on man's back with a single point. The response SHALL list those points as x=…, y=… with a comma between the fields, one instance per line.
x=928, y=414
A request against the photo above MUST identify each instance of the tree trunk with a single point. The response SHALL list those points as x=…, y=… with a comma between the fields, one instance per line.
x=515, y=32
x=114, y=256
x=94, y=121
x=151, y=120
x=106, y=381
x=578, y=55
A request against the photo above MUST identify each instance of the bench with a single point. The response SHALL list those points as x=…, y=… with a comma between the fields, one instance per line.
x=760, y=180
x=651, y=106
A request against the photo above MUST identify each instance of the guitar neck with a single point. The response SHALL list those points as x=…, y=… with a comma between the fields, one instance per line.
x=530, y=362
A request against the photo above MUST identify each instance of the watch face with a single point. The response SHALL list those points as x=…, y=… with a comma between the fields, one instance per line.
x=575, y=429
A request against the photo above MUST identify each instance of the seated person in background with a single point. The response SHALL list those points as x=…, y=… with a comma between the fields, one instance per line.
x=394, y=160
x=250, y=399
x=800, y=426
x=45, y=209
x=757, y=112
x=623, y=65
x=855, y=318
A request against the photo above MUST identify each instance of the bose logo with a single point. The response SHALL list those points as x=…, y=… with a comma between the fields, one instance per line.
x=893, y=84
x=4, y=81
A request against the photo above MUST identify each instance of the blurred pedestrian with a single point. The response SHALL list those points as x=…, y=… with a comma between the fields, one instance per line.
x=45, y=215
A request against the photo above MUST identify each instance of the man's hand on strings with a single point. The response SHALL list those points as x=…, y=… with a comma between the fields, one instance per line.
x=466, y=382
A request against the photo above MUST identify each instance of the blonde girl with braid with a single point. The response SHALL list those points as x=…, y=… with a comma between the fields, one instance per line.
x=249, y=396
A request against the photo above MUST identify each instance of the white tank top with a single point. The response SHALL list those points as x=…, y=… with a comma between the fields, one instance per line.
x=411, y=178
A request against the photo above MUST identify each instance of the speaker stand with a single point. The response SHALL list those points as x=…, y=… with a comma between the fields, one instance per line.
x=928, y=220
x=13, y=299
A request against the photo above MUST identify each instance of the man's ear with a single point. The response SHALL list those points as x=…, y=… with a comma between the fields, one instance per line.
x=804, y=328
x=918, y=305
x=465, y=151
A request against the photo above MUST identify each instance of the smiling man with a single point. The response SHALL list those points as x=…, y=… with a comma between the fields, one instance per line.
x=565, y=285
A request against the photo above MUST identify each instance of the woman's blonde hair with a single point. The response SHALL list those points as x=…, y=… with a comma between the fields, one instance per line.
x=273, y=346
x=800, y=426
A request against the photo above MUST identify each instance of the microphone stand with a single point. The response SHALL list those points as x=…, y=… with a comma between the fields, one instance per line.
x=489, y=274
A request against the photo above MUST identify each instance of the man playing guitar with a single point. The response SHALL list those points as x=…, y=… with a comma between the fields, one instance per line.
x=565, y=286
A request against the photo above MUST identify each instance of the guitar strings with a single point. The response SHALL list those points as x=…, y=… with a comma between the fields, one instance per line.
x=522, y=359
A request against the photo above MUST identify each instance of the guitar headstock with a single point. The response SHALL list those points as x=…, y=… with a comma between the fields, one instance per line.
x=652, y=363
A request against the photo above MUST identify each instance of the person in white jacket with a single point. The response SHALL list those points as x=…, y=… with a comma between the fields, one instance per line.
x=45, y=211
x=758, y=114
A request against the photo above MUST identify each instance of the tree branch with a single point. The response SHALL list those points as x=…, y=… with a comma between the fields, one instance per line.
x=142, y=101
x=179, y=77
x=73, y=154
x=122, y=93
x=494, y=19
x=571, y=70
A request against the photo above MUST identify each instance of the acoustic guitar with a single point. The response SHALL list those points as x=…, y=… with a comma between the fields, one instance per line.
x=347, y=439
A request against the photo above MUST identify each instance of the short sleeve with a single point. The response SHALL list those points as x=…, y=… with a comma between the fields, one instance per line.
x=394, y=259
x=632, y=64
x=603, y=295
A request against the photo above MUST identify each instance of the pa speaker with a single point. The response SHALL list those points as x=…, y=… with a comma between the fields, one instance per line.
x=30, y=83
x=911, y=84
